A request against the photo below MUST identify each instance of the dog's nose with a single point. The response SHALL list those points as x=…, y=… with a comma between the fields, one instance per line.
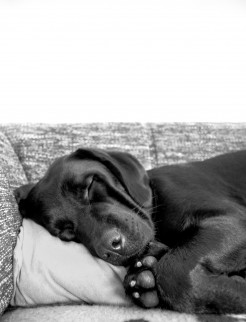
x=113, y=240
x=117, y=242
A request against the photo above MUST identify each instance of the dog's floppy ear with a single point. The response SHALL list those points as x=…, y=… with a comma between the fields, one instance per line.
x=23, y=191
x=126, y=169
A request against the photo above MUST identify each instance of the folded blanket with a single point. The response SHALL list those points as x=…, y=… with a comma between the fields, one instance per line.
x=48, y=270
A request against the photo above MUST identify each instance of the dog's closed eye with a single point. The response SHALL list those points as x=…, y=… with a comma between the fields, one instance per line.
x=89, y=184
x=96, y=190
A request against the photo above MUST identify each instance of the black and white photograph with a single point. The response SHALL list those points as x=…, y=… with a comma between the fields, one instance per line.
x=122, y=161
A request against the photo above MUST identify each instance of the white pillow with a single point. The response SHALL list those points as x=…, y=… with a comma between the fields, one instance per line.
x=48, y=270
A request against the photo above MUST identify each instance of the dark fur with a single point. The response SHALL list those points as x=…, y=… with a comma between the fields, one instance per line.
x=196, y=209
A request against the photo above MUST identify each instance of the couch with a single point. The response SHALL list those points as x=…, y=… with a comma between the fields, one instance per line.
x=26, y=150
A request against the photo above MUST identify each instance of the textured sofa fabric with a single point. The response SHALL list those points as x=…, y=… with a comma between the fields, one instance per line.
x=27, y=150
x=97, y=313
x=11, y=176
x=38, y=145
x=177, y=143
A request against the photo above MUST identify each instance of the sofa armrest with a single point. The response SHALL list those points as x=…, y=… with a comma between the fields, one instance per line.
x=11, y=176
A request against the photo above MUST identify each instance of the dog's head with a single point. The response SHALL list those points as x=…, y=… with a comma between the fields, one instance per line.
x=101, y=199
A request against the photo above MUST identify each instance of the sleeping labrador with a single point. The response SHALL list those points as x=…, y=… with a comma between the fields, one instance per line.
x=181, y=229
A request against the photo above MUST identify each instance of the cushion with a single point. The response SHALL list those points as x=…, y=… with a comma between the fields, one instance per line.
x=11, y=176
x=49, y=270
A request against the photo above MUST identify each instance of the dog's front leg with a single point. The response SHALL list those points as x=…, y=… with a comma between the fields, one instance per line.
x=202, y=275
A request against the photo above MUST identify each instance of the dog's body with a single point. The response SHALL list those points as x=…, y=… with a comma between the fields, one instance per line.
x=190, y=218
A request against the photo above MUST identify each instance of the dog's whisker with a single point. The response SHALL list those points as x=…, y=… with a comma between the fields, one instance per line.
x=156, y=207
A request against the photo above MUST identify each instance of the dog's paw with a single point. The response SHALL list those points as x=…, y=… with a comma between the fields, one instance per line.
x=140, y=282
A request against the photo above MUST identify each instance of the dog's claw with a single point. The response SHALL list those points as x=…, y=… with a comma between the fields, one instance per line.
x=136, y=295
x=138, y=264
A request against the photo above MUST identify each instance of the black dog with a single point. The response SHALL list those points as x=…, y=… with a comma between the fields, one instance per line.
x=180, y=228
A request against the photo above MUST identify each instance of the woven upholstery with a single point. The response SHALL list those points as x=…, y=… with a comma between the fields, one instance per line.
x=177, y=143
x=11, y=176
x=38, y=145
